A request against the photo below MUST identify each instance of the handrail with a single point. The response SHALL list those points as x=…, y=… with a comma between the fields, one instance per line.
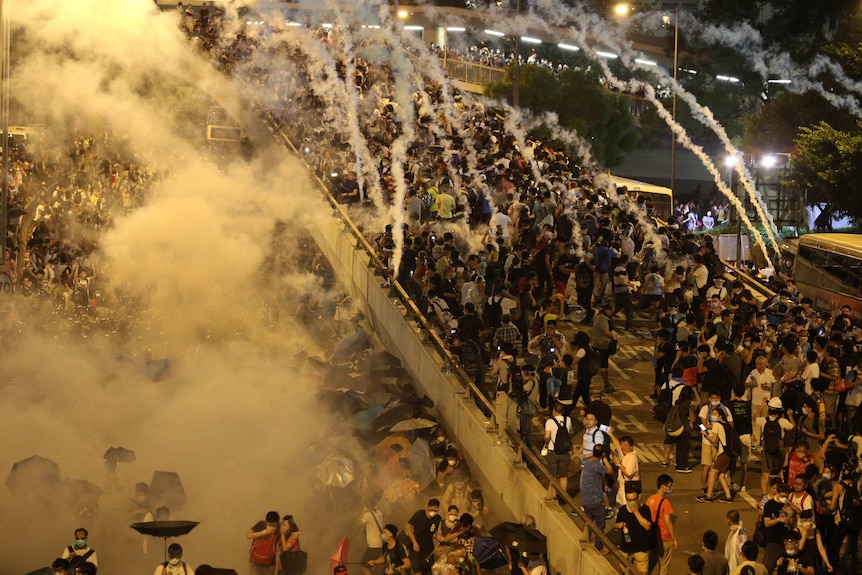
x=478, y=396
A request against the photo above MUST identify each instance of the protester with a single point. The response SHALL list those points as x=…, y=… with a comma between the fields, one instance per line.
x=175, y=564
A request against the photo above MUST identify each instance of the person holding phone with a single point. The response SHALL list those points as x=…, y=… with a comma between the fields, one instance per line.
x=624, y=456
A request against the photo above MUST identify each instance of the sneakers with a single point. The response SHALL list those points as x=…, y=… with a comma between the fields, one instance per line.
x=665, y=463
x=726, y=500
x=742, y=489
x=604, y=550
x=683, y=470
x=704, y=499
x=609, y=512
x=610, y=388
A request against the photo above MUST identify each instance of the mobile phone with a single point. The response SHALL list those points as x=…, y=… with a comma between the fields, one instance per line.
x=604, y=428
x=702, y=427
x=453, y=331
x=499, y=348
x=553, y=349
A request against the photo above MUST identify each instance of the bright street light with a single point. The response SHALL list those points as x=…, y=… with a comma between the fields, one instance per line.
x=768, y=161
x=730, y=161
x=621, y=9
x=403, y=14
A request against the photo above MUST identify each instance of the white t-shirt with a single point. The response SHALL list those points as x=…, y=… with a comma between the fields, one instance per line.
x=802, y=500
x=810, y=371
x=501, y=219
x=551, y=427
x=372, y=531
x=759, y=396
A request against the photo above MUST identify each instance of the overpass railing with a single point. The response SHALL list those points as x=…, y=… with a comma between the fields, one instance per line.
x=412, y=313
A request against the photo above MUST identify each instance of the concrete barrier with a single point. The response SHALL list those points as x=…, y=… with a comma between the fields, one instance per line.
x=507, y=486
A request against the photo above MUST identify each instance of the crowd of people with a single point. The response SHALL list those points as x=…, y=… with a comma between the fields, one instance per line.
x=507, y=240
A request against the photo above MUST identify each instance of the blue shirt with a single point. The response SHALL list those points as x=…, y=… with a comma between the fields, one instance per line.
x=593, y=482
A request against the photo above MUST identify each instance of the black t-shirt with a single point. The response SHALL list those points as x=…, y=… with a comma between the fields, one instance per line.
x=639, y=535
x=566, y=390
x=741, y=412
x=394, y=557
x=790, y=565
x=601, y=410
x=772, y=510
x=424, y=528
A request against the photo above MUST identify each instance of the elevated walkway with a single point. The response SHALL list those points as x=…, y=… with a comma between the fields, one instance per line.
x=509, y=486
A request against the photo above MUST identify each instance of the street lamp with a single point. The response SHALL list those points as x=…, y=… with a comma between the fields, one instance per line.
x=622, y=9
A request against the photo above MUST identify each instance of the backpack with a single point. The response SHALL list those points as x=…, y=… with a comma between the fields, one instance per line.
x=493, y=312
x=734, y=444
x=563, y=440
x=663, y=405
x=606, y=442
x=263, y=550
x=516, y=383
x=771, y=436
x=76, y=561
x=851, y=513
x=674, y=424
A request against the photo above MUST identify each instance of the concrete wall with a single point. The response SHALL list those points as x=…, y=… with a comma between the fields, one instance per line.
x=510, y=490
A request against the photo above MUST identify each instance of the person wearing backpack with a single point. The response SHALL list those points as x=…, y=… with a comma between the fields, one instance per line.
x=558, y=449
x=264, y=540
x=772, y=429
x=505, y=370
x=80, y=552
x=848, y=519
x=593, y=473
x=175, y=564
x=709, y=448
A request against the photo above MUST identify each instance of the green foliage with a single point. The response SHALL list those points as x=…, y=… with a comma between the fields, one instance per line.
x=829, y=164
x=581, y=104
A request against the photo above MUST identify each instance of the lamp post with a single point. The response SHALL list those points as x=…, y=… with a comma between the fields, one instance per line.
x=673, y=105
x=516, y=71
x=4, y=120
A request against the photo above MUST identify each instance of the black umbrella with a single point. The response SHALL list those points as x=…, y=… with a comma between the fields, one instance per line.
x=166, y=490
x=164, y=529
x=522, y=538
x=488, y=553
x=379, y=361
x=393, y=415
x=116, y=455
x=34, y=474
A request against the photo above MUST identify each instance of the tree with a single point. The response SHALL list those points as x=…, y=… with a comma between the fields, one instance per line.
x=581, y=104
x=828, y=164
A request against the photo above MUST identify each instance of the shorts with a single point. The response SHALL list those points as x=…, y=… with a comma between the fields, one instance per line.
x=707, y=453
x=639, y=560
x=722, y=463
x=745, y=452
x=670, y=440
x=772, y=463
x=605, y=357
x=558, y=463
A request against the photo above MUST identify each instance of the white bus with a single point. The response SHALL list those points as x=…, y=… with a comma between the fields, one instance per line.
x=828, y=269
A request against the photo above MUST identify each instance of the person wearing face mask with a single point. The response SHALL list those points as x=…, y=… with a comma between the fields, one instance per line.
x=790, y=562
x=824, y=517
x=421, y=528
x=709, y=447
x=633, y=519
x=776, y=517
x=449, y=527
x=661, y=512
x=395, y=556
x=80, y=552
x=175, y=564
x=811, y=548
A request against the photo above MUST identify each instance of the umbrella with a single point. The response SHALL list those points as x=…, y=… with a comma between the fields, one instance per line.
x=521, y=538
x=363, y=420
x=488, y=553
x=33, y=474
x=166, y=490
x=355, y=342
x=164, y=529
x=392, y=415
x=421, y=463
x=391, y=440
x=336, y=471
x=340, y=555
x=378, y=361
x=116, y=455
x=413, y=424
